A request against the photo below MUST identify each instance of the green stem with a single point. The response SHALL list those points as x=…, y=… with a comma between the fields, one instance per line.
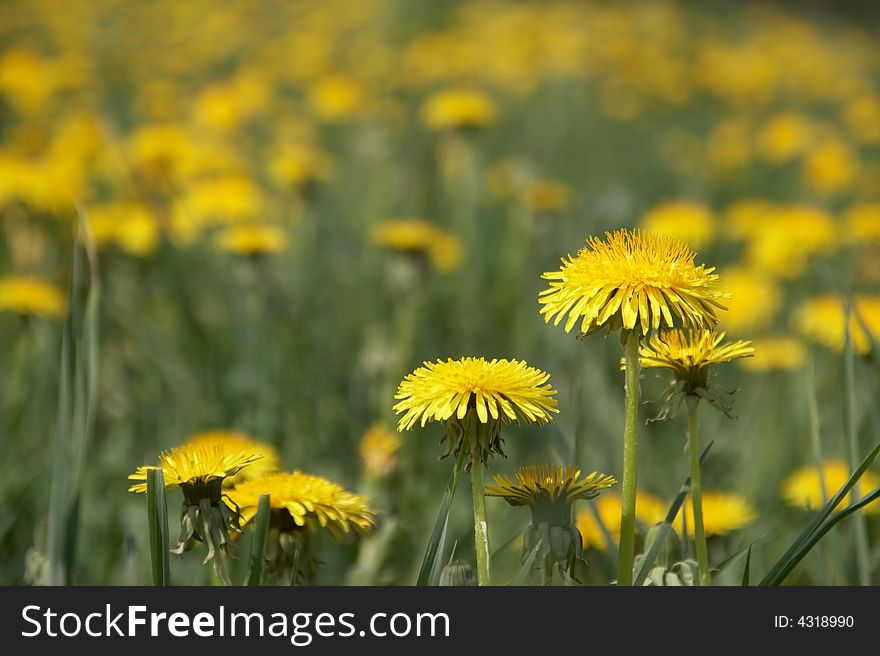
x=697, y=493
x=481, y=525
x=630, y=456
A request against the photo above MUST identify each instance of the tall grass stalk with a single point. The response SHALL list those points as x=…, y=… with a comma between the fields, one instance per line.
x=157, y=520
x=630, y=456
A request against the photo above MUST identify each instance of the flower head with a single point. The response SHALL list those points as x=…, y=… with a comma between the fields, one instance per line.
x=27, y=295
x=804, y=489
x=684, y=220
x=723, y=512
x=252, y=239
x=785, y=353
x=417, y=236
x=477, y=391
x=823, y=319
x=536, y=484
x=195, y=466
x=649, y=510
x=459, y=108
x=547, y=196
x=301, y=500
x=234, y=442
x=754, y=300
x=632, y=281
x=378, y=449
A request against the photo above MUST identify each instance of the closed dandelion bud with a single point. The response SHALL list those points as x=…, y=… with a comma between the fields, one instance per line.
x=458, y=574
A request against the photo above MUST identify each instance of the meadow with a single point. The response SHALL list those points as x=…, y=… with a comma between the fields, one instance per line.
x=259, y=218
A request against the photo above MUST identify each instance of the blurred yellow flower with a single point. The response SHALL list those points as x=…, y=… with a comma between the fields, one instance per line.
x=862, y=224
x=723, y=512
x=28, y=295
x=831, y=166
x=729, y=145
x=232, y=442
x=803, y=487
x=862, y=116
x=684, y=220
x=822, y=319
x=252, y=239
x=299, y=165
x=337, y=98
x=789, y=238
x=786, y=353
x=753, y=303
x=443, y=249
x=459, y=108
x=132, y=227
x=649, y=511
x=546, y=196
x=634, y=281
x=300, y=500
x=378, y=449
x=784, y=137
x=744, y=218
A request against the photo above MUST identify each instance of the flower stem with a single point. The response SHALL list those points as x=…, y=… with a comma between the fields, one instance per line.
x=630, y=455
x=697, y=494
x=481, y=526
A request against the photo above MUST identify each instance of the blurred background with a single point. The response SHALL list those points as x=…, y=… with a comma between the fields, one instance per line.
x=290, y=205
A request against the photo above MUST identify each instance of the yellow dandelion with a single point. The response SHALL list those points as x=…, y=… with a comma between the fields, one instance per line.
x=723, y=513
x=233, y=442
x=690, y=355
x=823, y=319
x=28, y=295
x=635, y=281
x=862, y=224
x=548, y=483
x=729, y=144
x=459, y=108
x=378, y=449
x=831, y=166
x=337, y=98
x=776, y=353
x=546, y=196
x=418, y=236
x=785, y=136
x=683, y=220
x=298, y=500
x=862, y=115
x=133, y=227
x=649, y=510
x=193, y=467
x=754, y=300
x=803, y=488
x=745, y=217
x=299, y=165
x=789, y=238
x=252, y=239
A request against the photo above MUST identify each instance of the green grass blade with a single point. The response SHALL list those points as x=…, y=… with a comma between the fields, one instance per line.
x=745, y=578
x=732, y=558
x=157, y=519
x=432, y=563
x=823, y=530
x=648, y=561
x=796, y=550
x=258, y=546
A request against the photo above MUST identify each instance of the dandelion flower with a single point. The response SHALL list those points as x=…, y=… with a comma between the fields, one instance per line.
x=300, y=500
x=417, y=236
x=27, y=295
x=803, y=488
x=548, y=484
x=133, y=227
x=634, y=281
x=649, y=510
x=492, y=391
x=683, y=220
x=378, y=449
x=550, y=492
x=234, y=442
x=252, y=239
x=823, y=319
x=723, y=512
x=785, y=136
x=744, y=218
x=546, y=196
x=776, y=353
x=337, y=98
x=862, y=224
x=754, y=300
x=788, y=238
x=459, y=108
x=831, y=166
